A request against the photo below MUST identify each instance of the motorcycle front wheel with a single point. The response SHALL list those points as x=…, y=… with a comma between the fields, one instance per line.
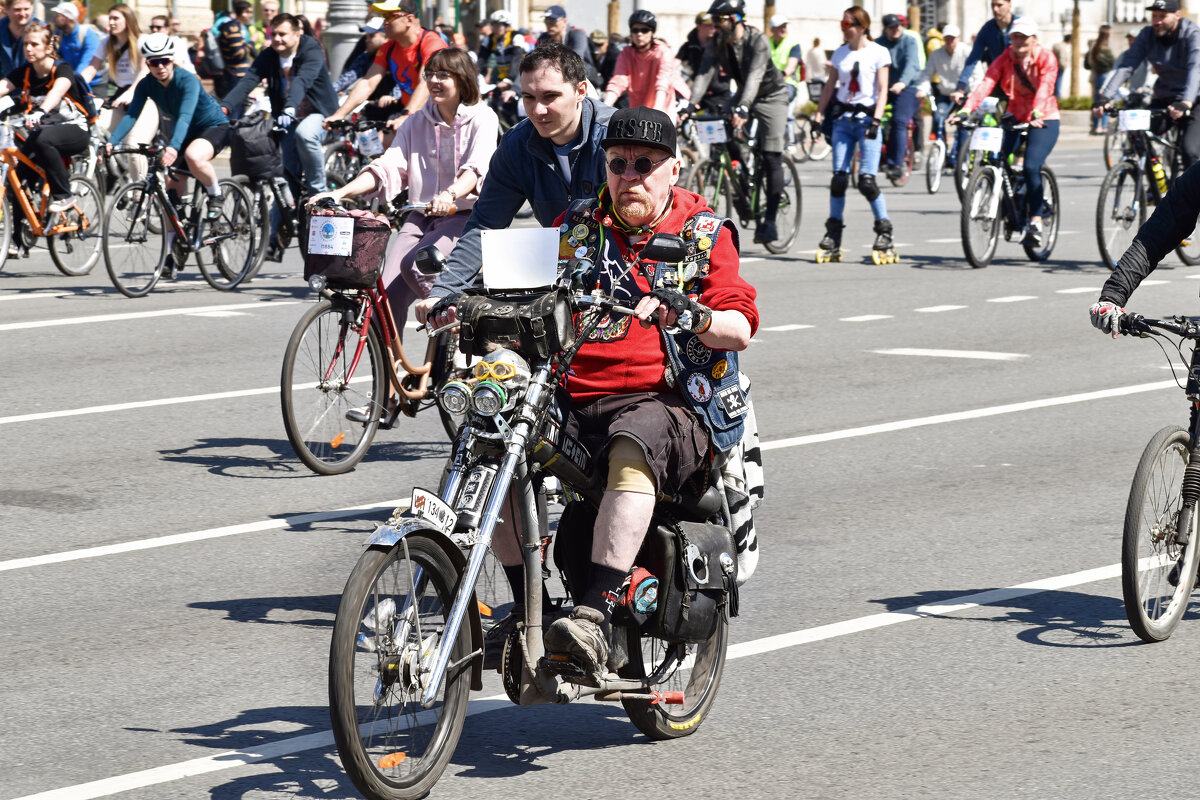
x=694, y=669
x=389, y=624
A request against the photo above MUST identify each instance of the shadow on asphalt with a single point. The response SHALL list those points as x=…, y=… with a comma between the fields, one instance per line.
x=309, y=611
x=280, y=461
x=1050, y=618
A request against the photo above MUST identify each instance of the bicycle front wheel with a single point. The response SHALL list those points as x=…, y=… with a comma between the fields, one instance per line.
x=227, y=254
x=980, y=217
x=1050, y=215
x=712, y=183
x=6, y=229
x=964, y=166
x=1120, y=211
x=934, y=163
x=321, y=382
x=1112, y=148
x=787, y=221
x=1158, y=554
x=76, y=252
x=390, y=622
x=133, y=242
x=340, y=165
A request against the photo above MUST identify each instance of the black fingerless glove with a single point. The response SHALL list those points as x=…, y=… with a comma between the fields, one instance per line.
x=441, y=305
x=873, y=129
x=692, y=316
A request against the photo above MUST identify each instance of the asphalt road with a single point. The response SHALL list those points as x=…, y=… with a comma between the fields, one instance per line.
x=933, y=434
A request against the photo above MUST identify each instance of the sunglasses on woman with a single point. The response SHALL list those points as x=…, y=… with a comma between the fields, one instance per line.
x=847, y=25
x=642, y=165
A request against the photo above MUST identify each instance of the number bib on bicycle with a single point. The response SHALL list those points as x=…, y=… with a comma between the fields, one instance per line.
x=622, y=356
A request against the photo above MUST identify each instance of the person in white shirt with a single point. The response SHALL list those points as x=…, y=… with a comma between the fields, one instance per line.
x=946, y=64
x=815, y=67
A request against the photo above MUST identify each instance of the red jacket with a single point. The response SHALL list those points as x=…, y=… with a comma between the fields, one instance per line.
x=633, y=360
x=1022, y=101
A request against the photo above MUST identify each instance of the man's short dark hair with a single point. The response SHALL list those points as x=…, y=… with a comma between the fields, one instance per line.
x=241, y=7
x=559, y=56
x=290, y=19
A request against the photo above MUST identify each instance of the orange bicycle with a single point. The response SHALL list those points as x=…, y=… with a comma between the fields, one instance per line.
x=73, y=236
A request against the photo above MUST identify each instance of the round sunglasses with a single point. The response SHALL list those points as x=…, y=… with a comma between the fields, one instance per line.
x=642, y=165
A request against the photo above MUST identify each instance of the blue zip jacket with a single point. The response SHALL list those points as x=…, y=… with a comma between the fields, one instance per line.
x=989, y=44
x=524, y=167
x=182, y=100
x=1176, y=60
x=79, y=53
x=906, y=61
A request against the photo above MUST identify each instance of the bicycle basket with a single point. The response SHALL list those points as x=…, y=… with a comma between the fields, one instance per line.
x=537, y=325
x=346, y=247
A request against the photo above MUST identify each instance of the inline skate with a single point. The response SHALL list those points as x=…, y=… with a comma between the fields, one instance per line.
x=830, y=247
x=884, y=249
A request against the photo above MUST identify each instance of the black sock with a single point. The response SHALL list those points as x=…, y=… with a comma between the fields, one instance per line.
x=603, y=592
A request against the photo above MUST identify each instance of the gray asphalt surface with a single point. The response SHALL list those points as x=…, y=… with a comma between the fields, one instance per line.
x=168, y=658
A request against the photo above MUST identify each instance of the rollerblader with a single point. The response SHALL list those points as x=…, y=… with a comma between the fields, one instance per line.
x=858, y=76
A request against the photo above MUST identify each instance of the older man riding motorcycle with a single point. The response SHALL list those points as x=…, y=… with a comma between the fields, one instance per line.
x=653, y=403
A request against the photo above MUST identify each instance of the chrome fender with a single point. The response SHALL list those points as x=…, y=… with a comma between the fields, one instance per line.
x=389, y=534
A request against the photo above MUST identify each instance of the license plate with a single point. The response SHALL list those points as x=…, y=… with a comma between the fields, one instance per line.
x=430, y=508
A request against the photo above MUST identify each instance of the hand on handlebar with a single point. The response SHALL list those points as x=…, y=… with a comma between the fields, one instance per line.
x=169, y=155
x=1100, y=109
x=1106, y=316
x=331, y=198
x=436, y=312
x=332, y=123
x=673, y=308
x=1180, y=108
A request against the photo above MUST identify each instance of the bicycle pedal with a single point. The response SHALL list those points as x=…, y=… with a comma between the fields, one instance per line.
x=567, y=668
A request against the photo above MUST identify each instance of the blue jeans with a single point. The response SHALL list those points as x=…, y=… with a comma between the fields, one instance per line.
x=1037, y=149
x=848, y=132
x=941, y=112
x=1098, y=81
x=304, y=156
x=904, y=105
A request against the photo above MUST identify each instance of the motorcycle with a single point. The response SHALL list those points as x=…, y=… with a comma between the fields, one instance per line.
x=408, y=641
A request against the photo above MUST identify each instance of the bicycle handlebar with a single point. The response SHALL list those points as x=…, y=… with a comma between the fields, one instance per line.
x=1137, y=325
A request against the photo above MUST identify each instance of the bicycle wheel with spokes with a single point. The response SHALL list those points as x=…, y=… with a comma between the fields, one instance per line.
x=229, y=256
x=1120, y=211
x=964, y=166
x=133, y=242
x=390, y=622
x=693, y=669
x=1112, y=146
x=979, y=217
x=1158, y=553
x=321, y=382
x=1050, y=217
x=712, y=183
x=260, y=204
x=340, y=165
x=76, y=252
x=934, y=163
x=6, y=229
x=818, y=148
x=787, y=221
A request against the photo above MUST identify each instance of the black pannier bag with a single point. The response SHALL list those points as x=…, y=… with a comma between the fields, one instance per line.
x=538, y=325
x=253, y=150
x=696, y=567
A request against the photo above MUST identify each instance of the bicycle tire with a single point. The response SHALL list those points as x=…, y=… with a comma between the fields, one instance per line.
x=964, y=166
x=935, y=162
x=77, y=252
x=133, y=242
x=710, y=181
x=1112, y=152
x=1152, y=605
x=260, y=201
x=316, y=391
x=974, y=219
x=6, y=228
x=787, y=222
x=818, y=148
x=396, y=726
x=1050, y=218
x=661, y=721
x=340, y=166
x=1120, y=211
x=226, y=262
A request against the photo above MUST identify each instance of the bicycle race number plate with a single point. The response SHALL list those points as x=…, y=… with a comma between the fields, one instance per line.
x=370, y=143
x=330, y=236
x=989, y=139
x=1135, y=119
x=711, y=131
x=432, y=509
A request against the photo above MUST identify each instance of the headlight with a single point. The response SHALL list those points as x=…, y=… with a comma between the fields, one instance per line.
x=488, y=398
x=455, y=397
x=317, y=282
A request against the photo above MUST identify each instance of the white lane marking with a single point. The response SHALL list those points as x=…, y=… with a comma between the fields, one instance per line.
x=767, y=644
x=219, y=314
x=1192, y=277
x=166, y=312
x=866, y=318
x=979, y=413
x=751, y=259
x=786, y=328
x=1013, y=298
x=955, y=240
x=1079, y=290
x=981, y=354
x=33, y=296
x=165, y=401
x=1152, y=283
x=937, y=309
x=195, y=536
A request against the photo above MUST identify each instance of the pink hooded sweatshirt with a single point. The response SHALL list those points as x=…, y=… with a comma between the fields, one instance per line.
x=428, y=155
x=644, y=75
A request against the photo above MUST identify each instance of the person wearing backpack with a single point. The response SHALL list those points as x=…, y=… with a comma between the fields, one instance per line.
x=233, y=43
x=77, y=42
x=46, y=90
x=560, y=31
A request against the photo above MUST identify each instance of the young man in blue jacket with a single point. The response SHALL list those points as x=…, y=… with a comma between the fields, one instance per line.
x=551, y=158
x=906, y=68
x=991, y=41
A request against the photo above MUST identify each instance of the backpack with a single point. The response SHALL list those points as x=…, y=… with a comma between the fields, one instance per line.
x=211, y=63
x=86, y=102
x=253, y=151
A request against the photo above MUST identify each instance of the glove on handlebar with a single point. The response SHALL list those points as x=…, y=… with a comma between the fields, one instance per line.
x=1106, y=316
x=692, y=316
x=441, y=305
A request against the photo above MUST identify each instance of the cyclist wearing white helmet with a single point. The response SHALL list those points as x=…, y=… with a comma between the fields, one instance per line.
x=499, y=58
x=190, y=116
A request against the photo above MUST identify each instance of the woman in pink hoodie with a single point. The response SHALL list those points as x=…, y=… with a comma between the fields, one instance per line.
x=441, y=155
x=647, y=69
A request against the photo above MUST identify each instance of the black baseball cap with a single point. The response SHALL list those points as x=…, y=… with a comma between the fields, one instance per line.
x=892, y=20
x=1163, y=5
x=641, y=127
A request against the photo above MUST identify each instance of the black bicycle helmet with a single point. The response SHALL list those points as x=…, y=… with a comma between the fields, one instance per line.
x=728, y=8
x=644, y=17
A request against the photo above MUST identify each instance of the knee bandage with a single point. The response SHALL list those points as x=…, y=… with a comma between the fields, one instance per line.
x=837, y=186
x=627, y=468
x=868, y=187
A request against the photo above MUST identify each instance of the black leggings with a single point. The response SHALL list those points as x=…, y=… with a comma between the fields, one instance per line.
x=47, y=146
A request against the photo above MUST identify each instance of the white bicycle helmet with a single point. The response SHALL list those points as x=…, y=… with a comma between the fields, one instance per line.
x=157, y=45
x=502, y=17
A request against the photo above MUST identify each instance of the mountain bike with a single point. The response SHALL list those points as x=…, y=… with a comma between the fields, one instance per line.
x=73, y=236
x=142, y=217
x=358, y=143
x=736, y=183
x=995, y=199
x=941, y=151
x=1158, y=549
x=1148, y=167
x=966, y=159
x=344, y=354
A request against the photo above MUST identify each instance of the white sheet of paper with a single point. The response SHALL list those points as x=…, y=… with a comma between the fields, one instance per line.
x=331, y=236
x=519, y=258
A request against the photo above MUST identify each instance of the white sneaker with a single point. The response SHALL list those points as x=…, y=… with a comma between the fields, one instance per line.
x=62, y=204
x=361, y=415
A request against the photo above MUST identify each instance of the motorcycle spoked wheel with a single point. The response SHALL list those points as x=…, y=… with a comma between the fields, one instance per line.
x=694, y=669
